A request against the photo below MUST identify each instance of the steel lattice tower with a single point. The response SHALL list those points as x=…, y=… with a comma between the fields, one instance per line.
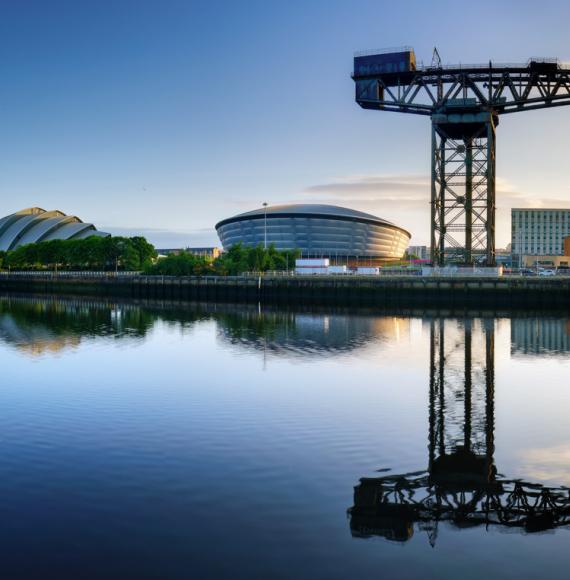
x=464, y=103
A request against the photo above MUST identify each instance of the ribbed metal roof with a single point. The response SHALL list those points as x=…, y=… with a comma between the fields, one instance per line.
x=309, y=209
x=35, y=224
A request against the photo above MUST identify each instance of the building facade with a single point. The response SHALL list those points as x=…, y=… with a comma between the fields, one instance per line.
x=422, y=252
x=343, y=235
x=538, y=232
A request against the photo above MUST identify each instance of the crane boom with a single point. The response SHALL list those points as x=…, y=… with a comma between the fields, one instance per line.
x=464, y=103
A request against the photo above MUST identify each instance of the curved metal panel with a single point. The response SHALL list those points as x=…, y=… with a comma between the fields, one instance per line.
x=7, y=221
x=89, y=232
x=15, y=233
x=67, y=231
x=324, y=234
x=35, y=224
x=39, y=231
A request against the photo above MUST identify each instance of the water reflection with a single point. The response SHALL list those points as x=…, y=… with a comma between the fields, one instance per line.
x=461, y=485
x=160, y=431
x=38, y=326
x=308, y=335
x=540, y=336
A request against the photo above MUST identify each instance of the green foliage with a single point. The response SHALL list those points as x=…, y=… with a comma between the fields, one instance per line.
x=236, y=260
x=183, y=264
x=134, y=254
x=93, y=253
x=240, y=258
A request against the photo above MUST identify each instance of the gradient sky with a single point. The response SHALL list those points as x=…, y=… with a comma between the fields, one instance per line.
x=162, y=117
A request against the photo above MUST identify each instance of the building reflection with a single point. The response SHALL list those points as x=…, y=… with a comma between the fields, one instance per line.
x=293, y=334
x=540, y=336
x=460, y=486
x=48, y=325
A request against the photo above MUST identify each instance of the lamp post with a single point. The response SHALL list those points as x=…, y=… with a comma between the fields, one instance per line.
x=265, y=225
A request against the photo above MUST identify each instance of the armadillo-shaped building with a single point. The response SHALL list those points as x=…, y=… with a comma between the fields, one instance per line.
x=35, y=224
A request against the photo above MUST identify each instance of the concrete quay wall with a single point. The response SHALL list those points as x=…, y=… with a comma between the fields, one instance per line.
x=403, y=291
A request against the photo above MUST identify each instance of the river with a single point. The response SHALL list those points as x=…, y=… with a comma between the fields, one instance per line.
x=160, y=440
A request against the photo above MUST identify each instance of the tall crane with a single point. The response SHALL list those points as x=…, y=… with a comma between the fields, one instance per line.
x=464, y=103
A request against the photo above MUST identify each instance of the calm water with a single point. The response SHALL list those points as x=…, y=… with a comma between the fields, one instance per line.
x=159, y=441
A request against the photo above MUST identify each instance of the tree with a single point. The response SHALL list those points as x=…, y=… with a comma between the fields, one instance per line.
x=183, y=264
x=92, y=253
x=145, y=251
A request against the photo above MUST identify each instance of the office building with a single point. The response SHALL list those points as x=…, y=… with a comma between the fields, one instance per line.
x=422, y=252
x=538, y=232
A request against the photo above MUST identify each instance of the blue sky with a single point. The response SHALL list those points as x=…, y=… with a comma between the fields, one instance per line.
x=163, y=117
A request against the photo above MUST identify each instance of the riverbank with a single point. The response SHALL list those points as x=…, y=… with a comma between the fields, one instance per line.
x=337, y=290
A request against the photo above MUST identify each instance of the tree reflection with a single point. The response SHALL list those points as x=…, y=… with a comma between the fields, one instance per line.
x=461, y=485
x=48, y=324
x=38, y=325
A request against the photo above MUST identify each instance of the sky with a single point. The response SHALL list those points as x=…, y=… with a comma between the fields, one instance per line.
x=161, y=118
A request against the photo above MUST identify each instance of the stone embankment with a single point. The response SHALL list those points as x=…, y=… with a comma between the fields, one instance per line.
x=535, y=292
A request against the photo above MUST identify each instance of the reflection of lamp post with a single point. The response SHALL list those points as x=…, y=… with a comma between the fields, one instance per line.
x=265, y=225
x=118, y=249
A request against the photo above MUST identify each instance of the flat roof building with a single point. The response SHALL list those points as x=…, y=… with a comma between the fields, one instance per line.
x=422, y=252
x=538, y=232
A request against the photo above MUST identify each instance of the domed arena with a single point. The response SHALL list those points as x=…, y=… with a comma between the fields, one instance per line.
x=35, y=224
x=343, y=235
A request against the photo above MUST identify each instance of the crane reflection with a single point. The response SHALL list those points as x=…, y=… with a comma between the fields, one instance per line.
x=461, y=485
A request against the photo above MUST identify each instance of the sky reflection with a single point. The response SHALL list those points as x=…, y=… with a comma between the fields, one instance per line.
x=206, y=428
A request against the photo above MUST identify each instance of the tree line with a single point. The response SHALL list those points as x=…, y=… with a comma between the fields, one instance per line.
x=137, y=254
x=92, y=253
x=236, y=260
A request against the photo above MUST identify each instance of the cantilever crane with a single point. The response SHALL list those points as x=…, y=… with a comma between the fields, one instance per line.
x=464, y=103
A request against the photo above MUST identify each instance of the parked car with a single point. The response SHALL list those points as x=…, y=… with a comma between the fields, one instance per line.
x=547, y=273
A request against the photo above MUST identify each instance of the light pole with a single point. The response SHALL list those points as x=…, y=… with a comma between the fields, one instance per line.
x=519, y=248
x=265, y=225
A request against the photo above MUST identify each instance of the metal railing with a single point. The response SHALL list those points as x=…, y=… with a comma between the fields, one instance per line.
x=422, y=68
x=70, y=273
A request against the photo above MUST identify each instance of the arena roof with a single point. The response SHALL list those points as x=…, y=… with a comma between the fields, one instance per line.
x=35, y=224
x=312, y=210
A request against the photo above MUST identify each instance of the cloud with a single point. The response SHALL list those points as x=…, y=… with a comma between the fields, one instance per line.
x=405, y=200
x=412, y=187
x=548, y=463
x=393, y=189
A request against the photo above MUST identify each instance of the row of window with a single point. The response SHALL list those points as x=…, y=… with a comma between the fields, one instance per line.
x=540, y=214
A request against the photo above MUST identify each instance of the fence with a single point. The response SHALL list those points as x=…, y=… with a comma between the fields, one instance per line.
x=69, y=273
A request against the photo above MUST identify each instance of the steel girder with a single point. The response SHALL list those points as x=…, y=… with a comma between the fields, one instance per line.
x=463, y=193
x=507, y=89
x=463, y=144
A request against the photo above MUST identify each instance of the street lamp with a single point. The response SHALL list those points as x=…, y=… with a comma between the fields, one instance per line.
x=265, y=225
